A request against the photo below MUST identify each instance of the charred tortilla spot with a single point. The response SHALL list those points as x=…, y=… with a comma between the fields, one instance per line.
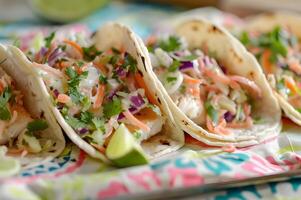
x=214, y=29
x=237, y=57
x=141, y=74
x=158, y=99
x=252, y=75
x=93, y=34
x=164, y=142
x=3, y=61
x=33, y=94
x=143, y=61
x=42, y=114
x=185, y=123
x=194, y=28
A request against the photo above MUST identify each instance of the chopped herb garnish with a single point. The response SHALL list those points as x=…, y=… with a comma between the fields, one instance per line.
x=116, y=51
x=129, y=63
x=99, y=124
x=74, y=122
x=182, y=89
x=90, y=52
x=112, y=108
x=244, y=38
x=86, y=103
x=171, y=44
x=174, y=66
x=102, y=79
x=73, y=83
x=37, y=125
x=171, y=79
x=114, y=59
x=212, y=112
x=190, y=57
x=86, y=117
x=4, y=98
x=49, y=39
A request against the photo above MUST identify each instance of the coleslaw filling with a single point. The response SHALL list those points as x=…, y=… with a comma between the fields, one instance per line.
x=278, y=52
x=19, y=132
x=96, y=91
x=201, y=87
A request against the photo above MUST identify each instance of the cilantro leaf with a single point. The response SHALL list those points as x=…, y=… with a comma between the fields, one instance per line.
x=174, y=66
x=102, y=79
x=99, y=123
x=86, y=117
x=37, y=125
x=4, y=98
x=171, y=79
x=90, y=52
x=244, y=38
x=112, y=108
x=49, y=39
x=171, y=44
x=74, y=122
x=130, y=63
x=212, y=112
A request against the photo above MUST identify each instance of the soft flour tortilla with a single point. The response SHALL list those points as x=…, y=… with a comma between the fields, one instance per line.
x=34, y=102
x=237, y=61
x=265, y=23
x=115, y=35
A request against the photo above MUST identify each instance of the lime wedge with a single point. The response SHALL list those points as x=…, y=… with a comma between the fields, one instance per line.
x=66, y=10
x=123, y=150
x=9, y=167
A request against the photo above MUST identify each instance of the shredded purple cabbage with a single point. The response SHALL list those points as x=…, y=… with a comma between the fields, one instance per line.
x=121, y=72
x=228, y=116
x=186, y=65
x=137, y=101
x=54, y=56
x=83, y=130
x=56, y=92
x=133, y=110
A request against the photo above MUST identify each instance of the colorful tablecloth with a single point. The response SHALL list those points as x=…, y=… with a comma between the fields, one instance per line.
x=74, y=175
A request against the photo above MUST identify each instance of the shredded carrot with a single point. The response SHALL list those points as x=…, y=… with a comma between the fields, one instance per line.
x=191, y=80
x=141, y=84
x=133, y=120
x=209, y=124
x=63, y=98
x=266, y=63
x=99, y=96
x=75, y=45
x=151, y=40
x=101, y=67
x=194, y=91
x=217, y=77
x=295, y=66
x=291, y=85
x=101, y=149
x=64, y=64
x=213, y=88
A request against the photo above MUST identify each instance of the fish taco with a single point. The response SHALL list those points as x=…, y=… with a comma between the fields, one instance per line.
x=28, y=129
x=99, y=86
x=214, y=87
x=275, y=41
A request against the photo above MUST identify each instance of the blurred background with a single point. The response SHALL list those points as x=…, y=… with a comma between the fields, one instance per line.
x=19, y=15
